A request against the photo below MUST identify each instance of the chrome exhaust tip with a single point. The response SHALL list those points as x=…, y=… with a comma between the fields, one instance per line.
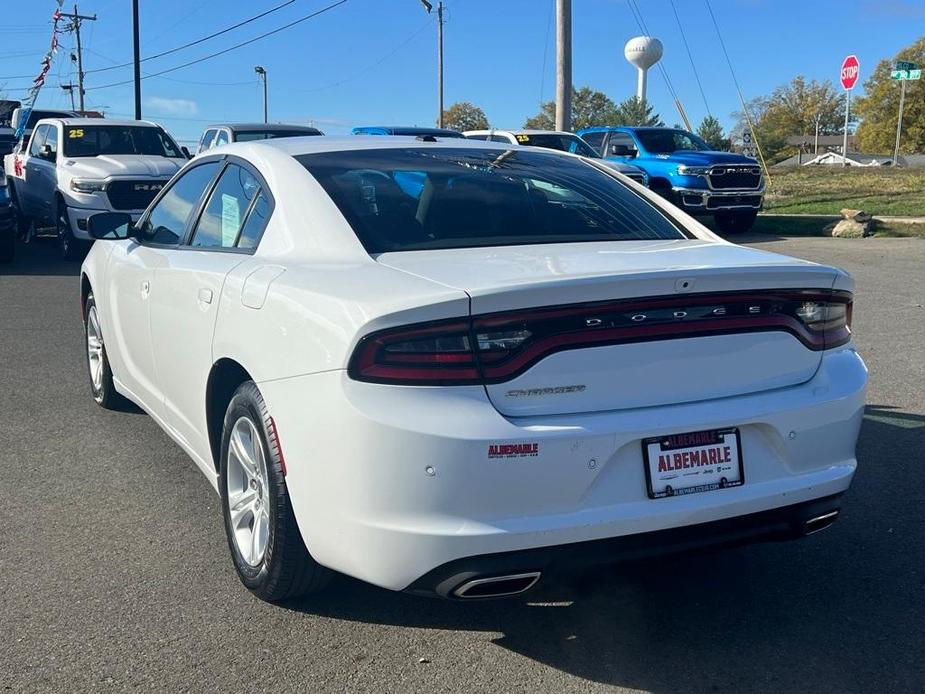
x=817, y=523
x=497, y=586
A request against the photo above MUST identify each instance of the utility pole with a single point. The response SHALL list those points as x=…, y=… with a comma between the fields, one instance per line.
x=136, y=45
x=259, y=69
x=76, y=20
x=440, y=64
x=899, y=121
x=69, y=88
x=816, y=141
x=563, y=64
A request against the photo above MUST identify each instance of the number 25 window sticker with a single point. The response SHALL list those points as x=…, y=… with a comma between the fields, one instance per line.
x=75, y=133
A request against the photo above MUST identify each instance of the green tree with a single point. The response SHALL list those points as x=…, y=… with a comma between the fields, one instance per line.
x=711, y=130
x=589, y=108
x=637, y=112
x=791, y=110
x=879, y=107
x=465, y=116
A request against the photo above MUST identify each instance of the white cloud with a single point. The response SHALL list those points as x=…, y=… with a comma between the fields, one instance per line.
x=172, y=107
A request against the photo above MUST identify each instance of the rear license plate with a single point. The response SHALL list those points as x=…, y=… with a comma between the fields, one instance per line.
x=698, y=461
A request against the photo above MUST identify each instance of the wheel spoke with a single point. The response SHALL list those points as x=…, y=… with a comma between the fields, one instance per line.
x=240, y=513
x=241, y=453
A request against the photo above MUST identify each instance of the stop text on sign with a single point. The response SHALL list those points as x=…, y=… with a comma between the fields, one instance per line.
x=850, y=69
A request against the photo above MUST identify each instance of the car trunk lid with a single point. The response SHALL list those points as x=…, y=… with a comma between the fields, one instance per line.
x=655, y=298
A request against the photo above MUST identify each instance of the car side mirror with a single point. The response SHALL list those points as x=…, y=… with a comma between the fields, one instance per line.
x=45, y=152
x=622, y=151
x=185, y=151
x=111, y=226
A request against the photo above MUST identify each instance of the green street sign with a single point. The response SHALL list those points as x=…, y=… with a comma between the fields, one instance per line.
x=906, y=74
x=905, y=65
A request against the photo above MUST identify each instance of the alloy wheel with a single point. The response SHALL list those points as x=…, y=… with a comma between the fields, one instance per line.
x=248, y=492
x=95, y=354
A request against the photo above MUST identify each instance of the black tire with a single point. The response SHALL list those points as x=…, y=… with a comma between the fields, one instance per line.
x=22, y=222
x=7, y=245
x=735, y=222
x=104, y=391
x=286, y=569
x=71, y=248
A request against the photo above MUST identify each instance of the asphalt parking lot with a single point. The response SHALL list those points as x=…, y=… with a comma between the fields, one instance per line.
x=116, y=576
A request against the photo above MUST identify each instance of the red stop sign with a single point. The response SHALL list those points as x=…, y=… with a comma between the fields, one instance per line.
x=850, y=69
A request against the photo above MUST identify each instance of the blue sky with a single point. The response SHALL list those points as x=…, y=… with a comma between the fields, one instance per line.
x=373, y=61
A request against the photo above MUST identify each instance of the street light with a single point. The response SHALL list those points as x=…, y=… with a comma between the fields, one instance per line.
x=263, y=76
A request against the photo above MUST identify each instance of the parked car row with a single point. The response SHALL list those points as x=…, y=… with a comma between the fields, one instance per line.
x=67, y=167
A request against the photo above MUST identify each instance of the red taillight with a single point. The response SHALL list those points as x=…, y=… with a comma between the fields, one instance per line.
x=498, y=347
x=437, y=353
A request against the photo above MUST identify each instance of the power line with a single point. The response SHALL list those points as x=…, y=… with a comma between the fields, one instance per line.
x=748, y=118
x=369, y=67
x=552, y=11
x=200, y=40
x=690, y=57
x=227, y=50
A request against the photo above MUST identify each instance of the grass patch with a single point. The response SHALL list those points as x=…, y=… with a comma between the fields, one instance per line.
x=825, y=190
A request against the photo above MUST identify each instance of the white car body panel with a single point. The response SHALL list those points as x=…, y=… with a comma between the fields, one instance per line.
x=292, y=312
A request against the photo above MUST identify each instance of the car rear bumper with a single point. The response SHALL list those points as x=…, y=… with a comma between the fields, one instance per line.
x=779, y=524
x=390, y=483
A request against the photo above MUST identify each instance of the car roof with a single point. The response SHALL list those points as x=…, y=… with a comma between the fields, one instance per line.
x=409, y=130
x=295, y=146
x=294, y=127
x=519, y=131
x=103, y=121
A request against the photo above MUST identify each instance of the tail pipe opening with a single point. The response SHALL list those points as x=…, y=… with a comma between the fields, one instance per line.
x=496, y=586
x=817, y=523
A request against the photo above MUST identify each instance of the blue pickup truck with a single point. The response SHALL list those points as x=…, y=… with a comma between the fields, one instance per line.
x=684, y=169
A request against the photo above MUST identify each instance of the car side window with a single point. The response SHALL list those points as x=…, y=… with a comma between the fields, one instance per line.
x=256, y=222
x=52, y=141
x=596, y=140
x=167, y=222
x=228, y=210
x=500, y=138
x=206, y=141
x=222, y=138
x=38, y=139
x=622, y=144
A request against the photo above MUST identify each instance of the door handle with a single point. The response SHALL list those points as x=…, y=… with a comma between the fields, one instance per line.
x=145, y=288
x=205, y=295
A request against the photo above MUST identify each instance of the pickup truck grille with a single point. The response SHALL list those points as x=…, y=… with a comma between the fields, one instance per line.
x=133, y=195
x=735, y=176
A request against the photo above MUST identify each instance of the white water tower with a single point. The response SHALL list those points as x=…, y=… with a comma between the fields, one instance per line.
x=643, y=52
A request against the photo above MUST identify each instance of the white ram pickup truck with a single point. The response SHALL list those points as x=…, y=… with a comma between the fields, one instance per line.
x=75, y=167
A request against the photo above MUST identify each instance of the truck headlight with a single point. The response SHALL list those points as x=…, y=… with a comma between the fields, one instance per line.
x=693, y=170
x=86, y=185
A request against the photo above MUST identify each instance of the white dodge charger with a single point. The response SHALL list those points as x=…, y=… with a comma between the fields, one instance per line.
x=452, y=367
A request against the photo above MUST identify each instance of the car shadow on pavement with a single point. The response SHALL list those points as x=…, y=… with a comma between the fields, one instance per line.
x=839, y=611
x=39, y=257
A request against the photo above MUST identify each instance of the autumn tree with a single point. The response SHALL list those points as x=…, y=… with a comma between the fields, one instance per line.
x=792, y=109
x=711, y=131
x=589, y=108
x=464, y=116
x=879, y=107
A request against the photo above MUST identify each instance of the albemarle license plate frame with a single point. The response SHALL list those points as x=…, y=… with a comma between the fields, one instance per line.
x=674, y=443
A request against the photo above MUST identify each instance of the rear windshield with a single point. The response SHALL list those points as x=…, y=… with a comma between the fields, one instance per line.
x=415, y=198
x=563, y=143
x=96, y=140
x=249, y=135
